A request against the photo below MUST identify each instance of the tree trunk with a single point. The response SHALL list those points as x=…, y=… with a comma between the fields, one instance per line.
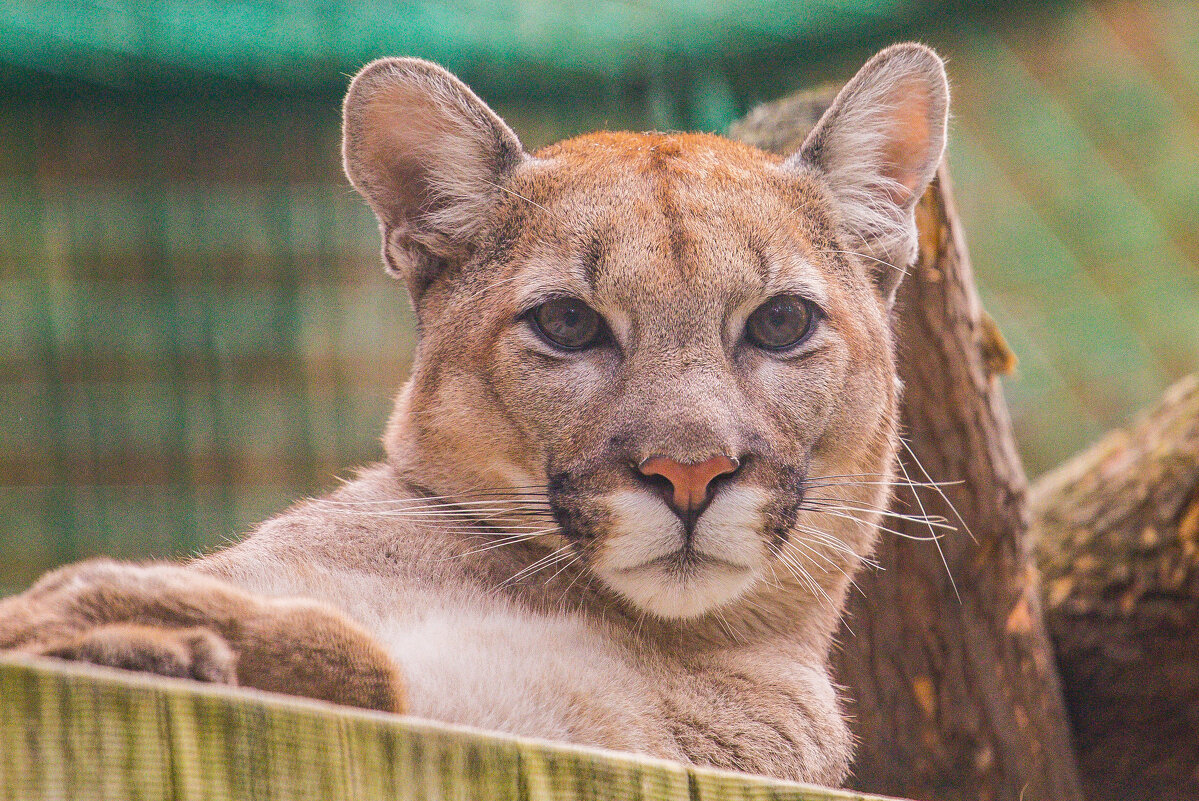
x=950, y=699
x=1118, y=551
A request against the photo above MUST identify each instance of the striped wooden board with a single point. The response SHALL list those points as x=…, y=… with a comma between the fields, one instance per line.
x=78, y=732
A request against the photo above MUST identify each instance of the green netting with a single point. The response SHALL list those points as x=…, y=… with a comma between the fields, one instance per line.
x=91, y=734
x=297, y=42
x=195, y=329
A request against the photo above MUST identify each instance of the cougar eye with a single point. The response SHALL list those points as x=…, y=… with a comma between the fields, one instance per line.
x=780, y=323
x=568, y=323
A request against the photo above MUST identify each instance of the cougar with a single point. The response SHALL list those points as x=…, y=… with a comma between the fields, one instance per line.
x=646, y=442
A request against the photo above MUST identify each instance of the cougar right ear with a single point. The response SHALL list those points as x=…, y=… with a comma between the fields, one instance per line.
x=878, y=147
x=429, y=156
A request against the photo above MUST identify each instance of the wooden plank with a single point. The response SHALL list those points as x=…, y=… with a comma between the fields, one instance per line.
x=82, y=732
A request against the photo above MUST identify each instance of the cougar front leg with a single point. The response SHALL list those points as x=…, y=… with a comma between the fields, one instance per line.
x=172, y=621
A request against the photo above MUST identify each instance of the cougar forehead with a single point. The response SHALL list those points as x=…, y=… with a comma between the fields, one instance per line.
x=660, y=230
x=687, y=212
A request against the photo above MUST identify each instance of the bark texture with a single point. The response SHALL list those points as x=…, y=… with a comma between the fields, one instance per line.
x=953, y=690
x=1118, y=551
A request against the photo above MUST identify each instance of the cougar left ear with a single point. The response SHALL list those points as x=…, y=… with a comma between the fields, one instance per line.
x=878, y=147
x=429, y=156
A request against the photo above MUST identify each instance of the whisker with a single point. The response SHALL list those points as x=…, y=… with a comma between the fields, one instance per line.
x=532, y=489
x=844, y=620
x=494, y=535
x=803, y=576
x=832, y=543
x=541, y=564
x=506, y=539
x=936, y=486
x=530, y=569
x=890, y=478
x=726, y=625
x=422, y=503
x=519, y=195
x=640, y=625
x=446, y=516
x=920, y=503
x=863, y=506
x=937, y=521
x=814, y=584
x=838, y=567
x=462, y=506
x=854, y=514
x=889, y=483
x=482, y=515
x=564, y=567
x=748, y=601
x=570, y=586
x=864, y=256
x=539, y=485
x=776, y=583
x=880, y=527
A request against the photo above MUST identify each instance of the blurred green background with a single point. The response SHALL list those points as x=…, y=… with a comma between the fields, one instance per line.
x=196, y=329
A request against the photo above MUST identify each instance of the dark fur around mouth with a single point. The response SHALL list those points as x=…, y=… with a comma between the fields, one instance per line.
x=780, y=519
x=576, y=515
x=582, y=518
x=787, y=499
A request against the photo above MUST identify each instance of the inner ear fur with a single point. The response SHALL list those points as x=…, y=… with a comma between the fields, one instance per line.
x=878, y=147
x=429, y=157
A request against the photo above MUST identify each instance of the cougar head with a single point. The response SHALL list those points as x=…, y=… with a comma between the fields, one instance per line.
x=681, y=343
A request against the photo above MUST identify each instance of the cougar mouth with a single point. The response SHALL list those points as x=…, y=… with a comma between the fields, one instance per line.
x=685, y=563
x=679, y=586
x=645, y=555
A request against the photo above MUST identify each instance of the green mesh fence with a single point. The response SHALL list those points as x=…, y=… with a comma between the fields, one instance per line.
x=302, y=43
x=194, y=326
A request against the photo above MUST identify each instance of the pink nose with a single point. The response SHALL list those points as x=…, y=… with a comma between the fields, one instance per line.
x=690, y=481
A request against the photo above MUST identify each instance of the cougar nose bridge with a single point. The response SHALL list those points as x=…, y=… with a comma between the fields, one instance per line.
x=688, y=412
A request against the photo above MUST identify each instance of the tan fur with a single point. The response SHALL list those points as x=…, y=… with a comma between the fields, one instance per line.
x=508, y=566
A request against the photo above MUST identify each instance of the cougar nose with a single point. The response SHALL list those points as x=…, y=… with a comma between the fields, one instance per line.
x=689, y=481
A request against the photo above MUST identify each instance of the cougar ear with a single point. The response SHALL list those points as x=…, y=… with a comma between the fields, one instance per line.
x=878, y=146
x=429, y=156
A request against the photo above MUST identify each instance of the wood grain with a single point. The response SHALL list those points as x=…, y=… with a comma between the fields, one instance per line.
x=85, y=733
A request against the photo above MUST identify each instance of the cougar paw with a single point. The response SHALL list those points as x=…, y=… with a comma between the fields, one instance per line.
x=302, y=648
x=192, y=653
